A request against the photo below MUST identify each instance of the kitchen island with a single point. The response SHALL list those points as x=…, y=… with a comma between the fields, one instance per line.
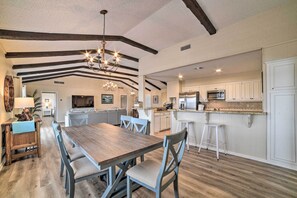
x=245, y=129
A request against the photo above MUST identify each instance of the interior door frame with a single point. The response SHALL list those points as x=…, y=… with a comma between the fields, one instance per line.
x=51, y=92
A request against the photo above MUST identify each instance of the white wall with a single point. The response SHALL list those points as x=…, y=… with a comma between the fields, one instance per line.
x=6, y=70
x=78, y=86
x=264, y=30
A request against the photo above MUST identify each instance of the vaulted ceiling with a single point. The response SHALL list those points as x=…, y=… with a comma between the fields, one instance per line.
x=136, y=28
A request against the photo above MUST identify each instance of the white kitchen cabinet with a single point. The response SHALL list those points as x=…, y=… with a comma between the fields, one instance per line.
x=246, y=91
x=190, y=89
x=282, y=108
x=221, y=86
x=162, y=121
x=157, y=122
x=282, y=75
x=203, y=94
x=233, y=92
x=251, y=91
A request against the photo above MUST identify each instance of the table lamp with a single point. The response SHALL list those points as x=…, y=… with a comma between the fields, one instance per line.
x=24, y=103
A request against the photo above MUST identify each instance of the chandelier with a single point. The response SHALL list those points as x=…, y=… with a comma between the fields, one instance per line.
x=109, y=86
x=99, y=62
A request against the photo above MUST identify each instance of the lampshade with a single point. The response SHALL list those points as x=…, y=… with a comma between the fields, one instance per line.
x=23, y=102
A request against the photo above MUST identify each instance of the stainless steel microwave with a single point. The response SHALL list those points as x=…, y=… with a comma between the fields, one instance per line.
x=216, y=95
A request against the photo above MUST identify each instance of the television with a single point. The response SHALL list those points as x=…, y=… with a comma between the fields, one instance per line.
x=82, y=101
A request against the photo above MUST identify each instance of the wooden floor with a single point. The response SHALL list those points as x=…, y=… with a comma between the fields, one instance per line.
x=200, y=176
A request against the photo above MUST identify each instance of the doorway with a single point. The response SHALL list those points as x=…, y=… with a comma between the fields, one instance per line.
x=124, y=102
x=49, y=104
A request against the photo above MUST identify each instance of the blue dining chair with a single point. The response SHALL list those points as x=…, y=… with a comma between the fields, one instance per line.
x=73, y=152
x=139, y=125
x=77, y=170
x=158, y=176
x=125, y=122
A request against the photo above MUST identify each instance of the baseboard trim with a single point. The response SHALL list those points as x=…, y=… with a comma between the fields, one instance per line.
x=288, y=166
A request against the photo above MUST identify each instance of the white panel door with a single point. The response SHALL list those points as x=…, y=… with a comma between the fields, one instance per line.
x=283, y=126
x=163, y=122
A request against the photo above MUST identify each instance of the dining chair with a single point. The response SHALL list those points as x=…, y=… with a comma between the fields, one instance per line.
x=125, y=122
x=77, y=170
x=78, y=119
x=73, y=152
x=139, y=125
x=158, y=176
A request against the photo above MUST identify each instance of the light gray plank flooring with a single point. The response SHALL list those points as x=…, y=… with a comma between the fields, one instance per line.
x=200, y=176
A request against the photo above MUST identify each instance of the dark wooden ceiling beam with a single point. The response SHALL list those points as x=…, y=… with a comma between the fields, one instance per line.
x=41, y=36
x=201, y=16
x=66, y=69
x=62, y=53
x=148, y=82
x=82, y=72
x=59, y=63
x=49, y=78
x=165, y=83
x=60, y=76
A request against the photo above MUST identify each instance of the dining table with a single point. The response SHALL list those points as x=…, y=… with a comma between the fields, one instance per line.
x=108, y=147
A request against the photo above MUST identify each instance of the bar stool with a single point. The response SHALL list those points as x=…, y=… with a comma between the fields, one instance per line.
x=181, y=124
x=218, y=128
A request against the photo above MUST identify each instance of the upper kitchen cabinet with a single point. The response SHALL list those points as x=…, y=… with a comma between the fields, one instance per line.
x=233, y=92
x=246, y=91
x=282, y=75
x=252, y=90
x=221, y=86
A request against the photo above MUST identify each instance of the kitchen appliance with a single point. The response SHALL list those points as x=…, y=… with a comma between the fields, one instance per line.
x=216, y=95
x=188, y=100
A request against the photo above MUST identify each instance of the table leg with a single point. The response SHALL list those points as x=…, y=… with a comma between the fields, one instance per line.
x=117, y=181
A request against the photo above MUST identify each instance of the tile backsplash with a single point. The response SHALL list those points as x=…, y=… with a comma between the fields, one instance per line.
x=217, y=104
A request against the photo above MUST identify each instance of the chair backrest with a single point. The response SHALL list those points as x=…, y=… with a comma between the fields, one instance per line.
x=64, y=154
x=125, y=122
x=174, y=147
x=139, y=125
x=78, y=119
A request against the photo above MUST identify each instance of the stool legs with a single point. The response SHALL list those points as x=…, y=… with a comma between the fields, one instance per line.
x=217, y=142
x=218, y=129
x=188, y=146
x=201, y=141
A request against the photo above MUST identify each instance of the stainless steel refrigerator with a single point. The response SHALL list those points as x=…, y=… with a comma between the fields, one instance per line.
x=189, y=100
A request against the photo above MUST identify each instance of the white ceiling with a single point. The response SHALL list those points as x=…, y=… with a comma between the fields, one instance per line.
x=246, y=62
x=155, y=23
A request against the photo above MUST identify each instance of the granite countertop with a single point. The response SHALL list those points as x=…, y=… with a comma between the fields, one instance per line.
x=228, y=111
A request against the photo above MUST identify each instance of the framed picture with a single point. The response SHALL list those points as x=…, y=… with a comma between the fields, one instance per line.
x=106, y=98
x=156, y=99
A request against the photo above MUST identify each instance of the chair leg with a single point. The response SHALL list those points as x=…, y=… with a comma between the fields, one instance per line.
x=175, y=185
x=71, y=187
x=129, y=191
x=67, y=183
x=142, y=158
x=62, y=168
x=158, y=193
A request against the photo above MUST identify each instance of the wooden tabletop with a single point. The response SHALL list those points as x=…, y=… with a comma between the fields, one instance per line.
x=108, y=145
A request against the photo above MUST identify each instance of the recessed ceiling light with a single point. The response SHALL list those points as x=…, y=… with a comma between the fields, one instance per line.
x=218, y=70
x=198, y=68
x=180, y=76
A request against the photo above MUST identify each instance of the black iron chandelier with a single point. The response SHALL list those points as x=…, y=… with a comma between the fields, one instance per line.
x=99, y=61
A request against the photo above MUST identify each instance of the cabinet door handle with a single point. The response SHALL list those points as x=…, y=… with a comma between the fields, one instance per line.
x=251, y=98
